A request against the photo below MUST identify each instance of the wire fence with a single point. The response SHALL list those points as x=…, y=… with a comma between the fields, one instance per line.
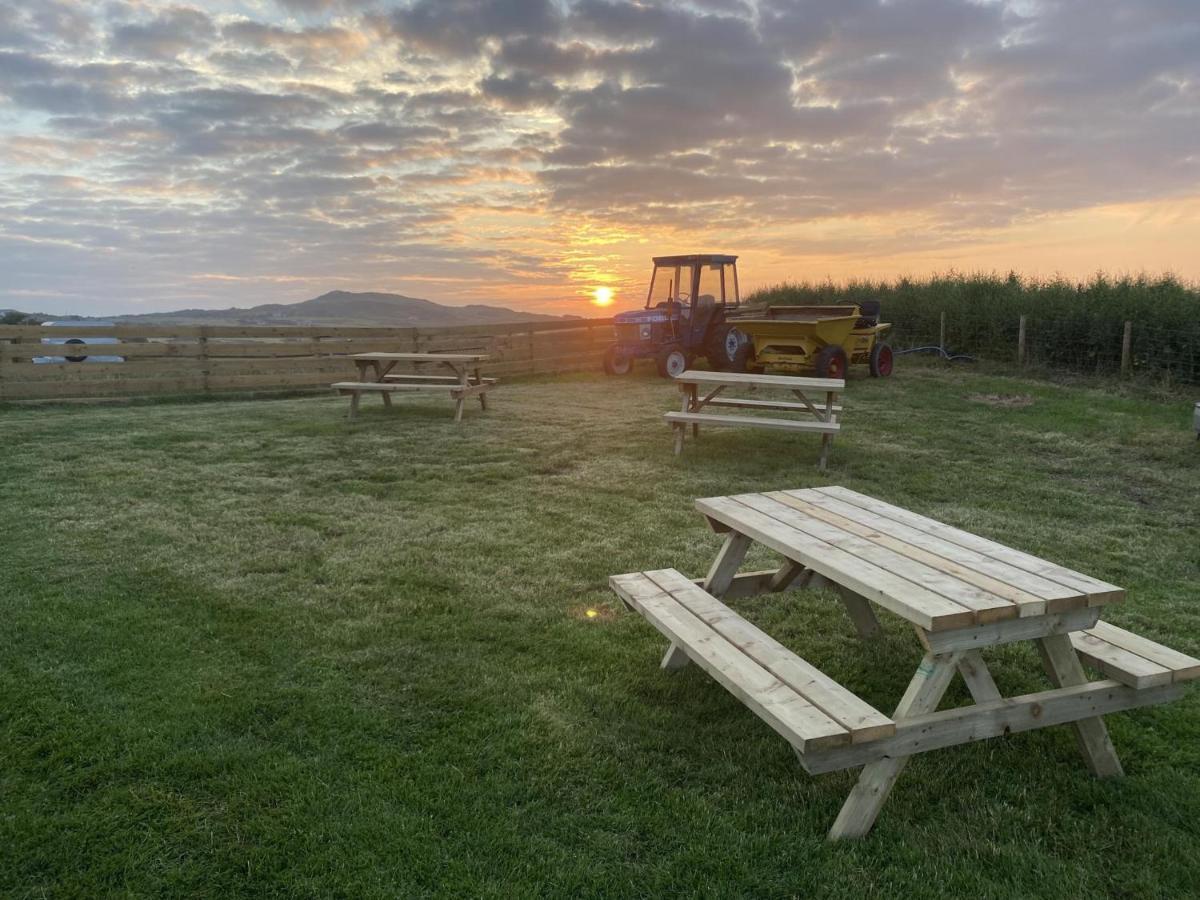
x=1076, y=343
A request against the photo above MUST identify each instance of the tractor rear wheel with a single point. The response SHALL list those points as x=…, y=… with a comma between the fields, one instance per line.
x=831, y=362
x=616, y=362
x=672, y=361
x=881, y=361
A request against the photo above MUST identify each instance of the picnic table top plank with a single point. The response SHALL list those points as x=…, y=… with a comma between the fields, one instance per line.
x=1096, y=591
x=422, y=357
x=739, y=378
x=1038, y=594
x=935, y=576
x=988, y=607
x=923, y=607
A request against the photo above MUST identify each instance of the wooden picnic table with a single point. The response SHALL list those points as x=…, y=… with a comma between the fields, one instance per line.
x=962, y=593
x=824, y=408
x=465, y=382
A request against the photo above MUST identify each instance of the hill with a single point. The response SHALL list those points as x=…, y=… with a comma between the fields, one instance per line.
x=344, y=308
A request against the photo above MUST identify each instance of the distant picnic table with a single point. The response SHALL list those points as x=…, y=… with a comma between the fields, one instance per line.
x=962, y=593
x=822, y=406
x=465, y=382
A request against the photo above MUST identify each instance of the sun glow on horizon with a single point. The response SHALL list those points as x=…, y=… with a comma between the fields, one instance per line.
x=602, y=296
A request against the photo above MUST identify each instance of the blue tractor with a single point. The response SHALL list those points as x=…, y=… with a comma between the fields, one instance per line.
x=684, y=317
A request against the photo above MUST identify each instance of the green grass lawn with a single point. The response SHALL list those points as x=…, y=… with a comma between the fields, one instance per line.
x=249, y=649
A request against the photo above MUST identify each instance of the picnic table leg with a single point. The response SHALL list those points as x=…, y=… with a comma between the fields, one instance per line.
x=679, y=431
x=464, y=383
x=353, y=405
x=674, y=659
x=861, y=614
x=875, y=781
x=728, y=561
x=826, y=439
x=1065, y=670
x=482, y=394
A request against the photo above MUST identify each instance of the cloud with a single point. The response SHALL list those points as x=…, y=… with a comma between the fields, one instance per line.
x=466, y=143
x=171, y=32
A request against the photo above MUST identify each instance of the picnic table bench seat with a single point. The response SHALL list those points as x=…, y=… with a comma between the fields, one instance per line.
x=699, y=418
x=799, y=701
x=1131, y=659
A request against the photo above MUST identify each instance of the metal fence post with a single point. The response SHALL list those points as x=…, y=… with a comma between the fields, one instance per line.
x=1021, y=342
x=1127, y=351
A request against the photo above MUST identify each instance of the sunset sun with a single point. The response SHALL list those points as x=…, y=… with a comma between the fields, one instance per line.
x=602, y=296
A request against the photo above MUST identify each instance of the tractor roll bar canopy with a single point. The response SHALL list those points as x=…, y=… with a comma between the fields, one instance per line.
x=693, y=263
x=703, y=259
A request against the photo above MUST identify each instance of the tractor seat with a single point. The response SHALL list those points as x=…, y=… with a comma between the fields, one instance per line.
x=868, y=314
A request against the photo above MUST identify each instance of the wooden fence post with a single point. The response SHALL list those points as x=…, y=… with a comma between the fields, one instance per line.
x=942, y=334
x=1021, y=342
x=203, y=342
x=1127, y=351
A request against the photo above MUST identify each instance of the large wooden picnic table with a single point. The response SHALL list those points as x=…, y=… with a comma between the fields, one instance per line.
x=961, y=592
x=465, y=381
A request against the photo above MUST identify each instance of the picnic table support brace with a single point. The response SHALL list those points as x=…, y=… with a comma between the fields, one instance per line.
x=1065, y=670
x=876, y=780
x=978, y=678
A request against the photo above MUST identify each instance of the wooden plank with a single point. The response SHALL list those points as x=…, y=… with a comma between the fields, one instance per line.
x=1097, y=592
x=1183, y=666
x=1011, y=715
x=876, y=780
x=734, y=379
x=930, y=611
x=387, y=387
x=863, y=721
x=751, y=421
x=777, y=704
x=422, y=357
x=1008, y=632
x=1041, y=594
x=445, y=379
x=978, y=677
x=780, y=405
x=729, y=560
x=1065, y=670
x=1118, y=663
x=987, y=607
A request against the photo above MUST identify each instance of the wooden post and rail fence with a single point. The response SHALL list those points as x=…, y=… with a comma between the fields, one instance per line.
x=211, y=359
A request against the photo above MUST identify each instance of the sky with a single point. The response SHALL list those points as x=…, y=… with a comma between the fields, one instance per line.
x=160, y=155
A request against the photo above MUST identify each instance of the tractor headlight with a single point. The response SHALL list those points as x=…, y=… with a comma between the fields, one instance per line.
x=645, y=332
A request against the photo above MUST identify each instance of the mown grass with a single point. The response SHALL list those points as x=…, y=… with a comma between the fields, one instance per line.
x=1077, y=325
x=250, y=650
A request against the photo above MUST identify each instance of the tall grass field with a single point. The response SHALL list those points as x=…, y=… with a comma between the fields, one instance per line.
x=1076, y=325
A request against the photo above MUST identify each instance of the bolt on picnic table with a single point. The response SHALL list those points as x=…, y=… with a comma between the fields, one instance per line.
x=465, y=382
x=825, y=409
x=961, y=592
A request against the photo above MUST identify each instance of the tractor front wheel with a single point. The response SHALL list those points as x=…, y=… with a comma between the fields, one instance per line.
x=831, y=362
x=616, y=362
x=672, y=361
x=881, y=360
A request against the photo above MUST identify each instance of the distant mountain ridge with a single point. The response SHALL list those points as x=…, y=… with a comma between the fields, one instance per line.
x=342, y=308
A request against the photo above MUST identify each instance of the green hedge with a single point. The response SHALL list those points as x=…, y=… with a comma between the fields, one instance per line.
x=1073, y=324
